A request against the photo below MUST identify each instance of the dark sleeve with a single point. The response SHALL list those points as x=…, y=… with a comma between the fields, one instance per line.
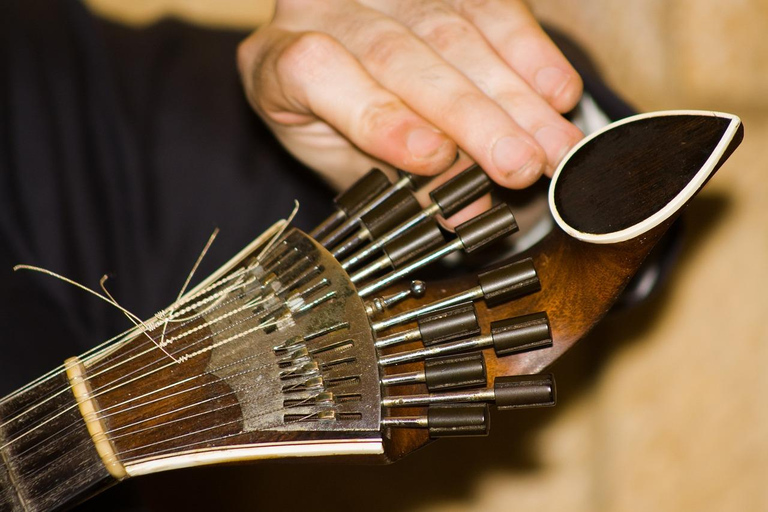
x=120, y=151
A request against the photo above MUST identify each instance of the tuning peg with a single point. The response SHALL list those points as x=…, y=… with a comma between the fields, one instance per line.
x=453, y=195
x=440, y=373
x=399, y=207
x=525, y=391
x=507, y=337
x=422, y=239
x=352, y=200
x=498, y=285
x=447, y=420
x=372, y=202
x=439, y=327
x=516, y=392
x=473, y=234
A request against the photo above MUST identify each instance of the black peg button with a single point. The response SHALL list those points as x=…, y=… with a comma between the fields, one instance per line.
x=362, y=192
x=523, y=391
x=453, y=372
x=520, y=334
x=448, y=324
x=509, y=281
x=458, y=420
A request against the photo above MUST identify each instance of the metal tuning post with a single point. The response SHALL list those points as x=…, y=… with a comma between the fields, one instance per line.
x=473, y=234
x=513, y=392
x=454, y=420
x=447, y=199
x=422, y=239
x=511, y=336
x=497, y=285
x=441, y=373
x=442, y=326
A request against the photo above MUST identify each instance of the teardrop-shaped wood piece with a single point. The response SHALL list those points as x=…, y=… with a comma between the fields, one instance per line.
x=636, y=173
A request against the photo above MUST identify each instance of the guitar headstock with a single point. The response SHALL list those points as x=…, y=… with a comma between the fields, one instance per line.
x=323, y=345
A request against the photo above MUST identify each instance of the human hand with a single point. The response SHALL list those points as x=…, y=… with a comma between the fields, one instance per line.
x=346, y=85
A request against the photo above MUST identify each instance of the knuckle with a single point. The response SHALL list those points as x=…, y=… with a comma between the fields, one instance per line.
x=517, y=102
x=465, y=101
x=471, y=6
x=444, y=33
x=306, y=51
x=384, y=48
x=379, y=117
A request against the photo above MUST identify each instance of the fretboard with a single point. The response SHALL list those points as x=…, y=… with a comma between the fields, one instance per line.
x=48, y=458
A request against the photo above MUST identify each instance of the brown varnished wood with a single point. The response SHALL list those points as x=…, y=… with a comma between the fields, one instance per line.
x=581, y=281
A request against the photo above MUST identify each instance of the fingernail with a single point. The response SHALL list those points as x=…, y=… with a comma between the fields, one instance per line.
x=513, y=155
x=551, y=81
x=556, y=143
x=424, y=142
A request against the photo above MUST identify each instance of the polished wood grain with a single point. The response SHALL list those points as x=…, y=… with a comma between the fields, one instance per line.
x=581, y=281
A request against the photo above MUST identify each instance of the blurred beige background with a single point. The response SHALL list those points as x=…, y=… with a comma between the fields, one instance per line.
x=663, y=408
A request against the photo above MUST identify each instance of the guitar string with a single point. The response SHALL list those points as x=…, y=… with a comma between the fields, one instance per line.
x=277, y=238
x=180, y=350
x=199, y=293
x=63, y=389
x=185, y=418
x=208, y=411
x=97, y=350
x=184, y=381
x=263, y=253
x=305, y=401
x=100, y=391
x=138, y=334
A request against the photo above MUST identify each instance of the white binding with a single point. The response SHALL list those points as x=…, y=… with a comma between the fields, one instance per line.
x=203, y=457
x=670, y=208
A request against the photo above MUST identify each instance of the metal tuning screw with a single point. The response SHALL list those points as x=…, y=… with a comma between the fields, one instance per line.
x=451, y=420
x=381, y=304
x=352, y=200
x=450, y=197
x=397, y=208
x=422, y=239
x=515, y=392
x=440, y=373
x=511, y=336
x=444, y=325
x=473, y=234
x=495, y=286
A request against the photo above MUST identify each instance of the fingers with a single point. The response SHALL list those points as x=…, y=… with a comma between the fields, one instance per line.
x=305, y=76
x=443, y=95
x=460, y=43
x=512, y=31
x=406, y=82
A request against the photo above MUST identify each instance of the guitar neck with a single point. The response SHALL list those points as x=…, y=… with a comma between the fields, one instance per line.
x=48, y=457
